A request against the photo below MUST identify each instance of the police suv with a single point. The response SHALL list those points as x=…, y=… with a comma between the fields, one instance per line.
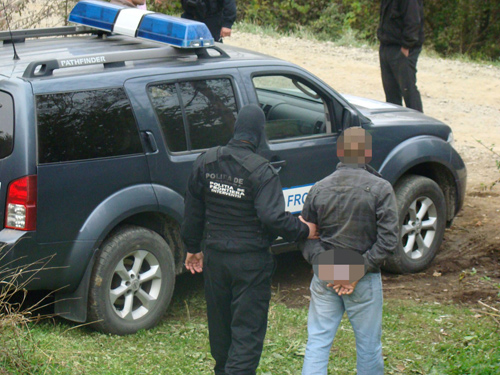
x=100, y=125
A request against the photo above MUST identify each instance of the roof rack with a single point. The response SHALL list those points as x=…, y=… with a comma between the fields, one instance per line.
x=40, y=69
x=19, y=36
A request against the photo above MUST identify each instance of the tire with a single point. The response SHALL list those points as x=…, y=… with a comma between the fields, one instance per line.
x=422, y=221
x=132, y=281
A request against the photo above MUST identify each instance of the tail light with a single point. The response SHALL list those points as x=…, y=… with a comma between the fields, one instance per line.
x=20, y=212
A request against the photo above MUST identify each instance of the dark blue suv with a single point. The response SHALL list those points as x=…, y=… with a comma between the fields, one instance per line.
x=98, y=132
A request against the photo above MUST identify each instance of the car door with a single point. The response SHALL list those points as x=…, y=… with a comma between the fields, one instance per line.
x=303, y=121
x=181, y=115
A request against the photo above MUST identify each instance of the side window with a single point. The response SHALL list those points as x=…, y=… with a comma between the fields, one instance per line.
x=209, y=108
x=84, y=125
x=293, y=108
x=6, y=124
x=168, y=109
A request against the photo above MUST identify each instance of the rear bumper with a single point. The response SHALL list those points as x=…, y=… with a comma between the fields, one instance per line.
x=16, y=264
x=12, y=242
x=42, y=266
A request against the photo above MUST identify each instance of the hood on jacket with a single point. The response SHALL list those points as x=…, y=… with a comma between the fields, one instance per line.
x=249, y=125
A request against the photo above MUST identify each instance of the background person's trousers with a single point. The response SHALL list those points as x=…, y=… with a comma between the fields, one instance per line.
x=237, y=290
x=399, y=76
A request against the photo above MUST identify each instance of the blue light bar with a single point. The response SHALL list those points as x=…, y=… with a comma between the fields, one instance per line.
x=178, y=32
x=96, y=14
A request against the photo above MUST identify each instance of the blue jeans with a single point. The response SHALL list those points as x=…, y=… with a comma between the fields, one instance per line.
x=364, y=310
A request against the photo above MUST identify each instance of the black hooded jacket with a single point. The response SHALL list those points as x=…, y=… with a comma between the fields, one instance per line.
x=202, y=9
x=234, y=200
x=401, y=23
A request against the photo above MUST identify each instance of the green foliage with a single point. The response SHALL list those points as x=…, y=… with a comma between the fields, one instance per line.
x=467, y=27
x=285, y=15
x=330, y=23
x=172, y=7
x=453, y=27
x=362, y=16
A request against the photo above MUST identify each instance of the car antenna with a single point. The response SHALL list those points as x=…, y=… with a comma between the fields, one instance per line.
x=16, y=56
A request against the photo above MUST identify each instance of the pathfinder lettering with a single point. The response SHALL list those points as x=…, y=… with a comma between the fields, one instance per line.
x=84, y=61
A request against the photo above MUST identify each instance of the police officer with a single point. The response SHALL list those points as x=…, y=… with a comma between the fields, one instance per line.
x=234, y=210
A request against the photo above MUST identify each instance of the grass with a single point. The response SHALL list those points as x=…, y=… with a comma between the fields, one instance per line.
x=348, y=38
x=418, y=338
x=16, y=344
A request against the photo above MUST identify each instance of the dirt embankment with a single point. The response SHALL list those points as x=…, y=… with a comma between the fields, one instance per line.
x=467, y=97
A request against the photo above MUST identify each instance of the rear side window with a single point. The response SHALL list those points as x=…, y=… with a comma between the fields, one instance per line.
x=84, y=125
x=197, y=114
x=6, y=124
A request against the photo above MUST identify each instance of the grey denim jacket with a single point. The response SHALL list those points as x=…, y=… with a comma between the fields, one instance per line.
x=355, y=209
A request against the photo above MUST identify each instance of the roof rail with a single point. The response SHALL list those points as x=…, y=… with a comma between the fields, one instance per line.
x=40, y=69
x=19, y=36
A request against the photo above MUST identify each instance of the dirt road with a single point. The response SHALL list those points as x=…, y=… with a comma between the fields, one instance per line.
x=467, y=97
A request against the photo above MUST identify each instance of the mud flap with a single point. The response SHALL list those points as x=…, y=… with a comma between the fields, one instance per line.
x=73, y=306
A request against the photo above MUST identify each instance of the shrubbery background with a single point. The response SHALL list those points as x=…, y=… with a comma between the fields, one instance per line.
x=469, y=27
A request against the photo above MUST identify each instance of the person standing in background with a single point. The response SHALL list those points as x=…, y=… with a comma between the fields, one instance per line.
x=401, y=35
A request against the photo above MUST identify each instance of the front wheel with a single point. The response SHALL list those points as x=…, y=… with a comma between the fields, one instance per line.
x=422, y=221
x=132, y=281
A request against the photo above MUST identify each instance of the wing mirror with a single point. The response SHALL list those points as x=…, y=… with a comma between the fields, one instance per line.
x=350, y=118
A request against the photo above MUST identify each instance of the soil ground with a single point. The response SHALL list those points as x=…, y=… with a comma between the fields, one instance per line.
x=466, y=96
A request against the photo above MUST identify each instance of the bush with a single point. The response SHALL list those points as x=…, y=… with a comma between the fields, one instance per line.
x=468, y=27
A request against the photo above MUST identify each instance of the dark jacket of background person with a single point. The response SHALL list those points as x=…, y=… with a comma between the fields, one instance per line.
x=354, y=209
x=216, y=14
x=401, y=23
x=240, y=216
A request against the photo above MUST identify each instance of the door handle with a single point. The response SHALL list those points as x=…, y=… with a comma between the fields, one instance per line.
x=150, y=140
x=278, y=164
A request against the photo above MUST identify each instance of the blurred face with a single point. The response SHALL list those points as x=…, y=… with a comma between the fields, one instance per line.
x=355, y=146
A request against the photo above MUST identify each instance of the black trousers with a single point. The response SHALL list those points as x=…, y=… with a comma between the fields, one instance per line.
x=237, y=290
x=399, y=76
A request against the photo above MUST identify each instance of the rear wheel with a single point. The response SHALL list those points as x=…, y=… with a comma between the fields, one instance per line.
x=132, y=281
x=422, y=221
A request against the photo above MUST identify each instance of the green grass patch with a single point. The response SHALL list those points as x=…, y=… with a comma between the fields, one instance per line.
x=418, y=338
x=348, y=38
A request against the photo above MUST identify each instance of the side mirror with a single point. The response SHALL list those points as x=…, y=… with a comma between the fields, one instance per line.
x=350, y=118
